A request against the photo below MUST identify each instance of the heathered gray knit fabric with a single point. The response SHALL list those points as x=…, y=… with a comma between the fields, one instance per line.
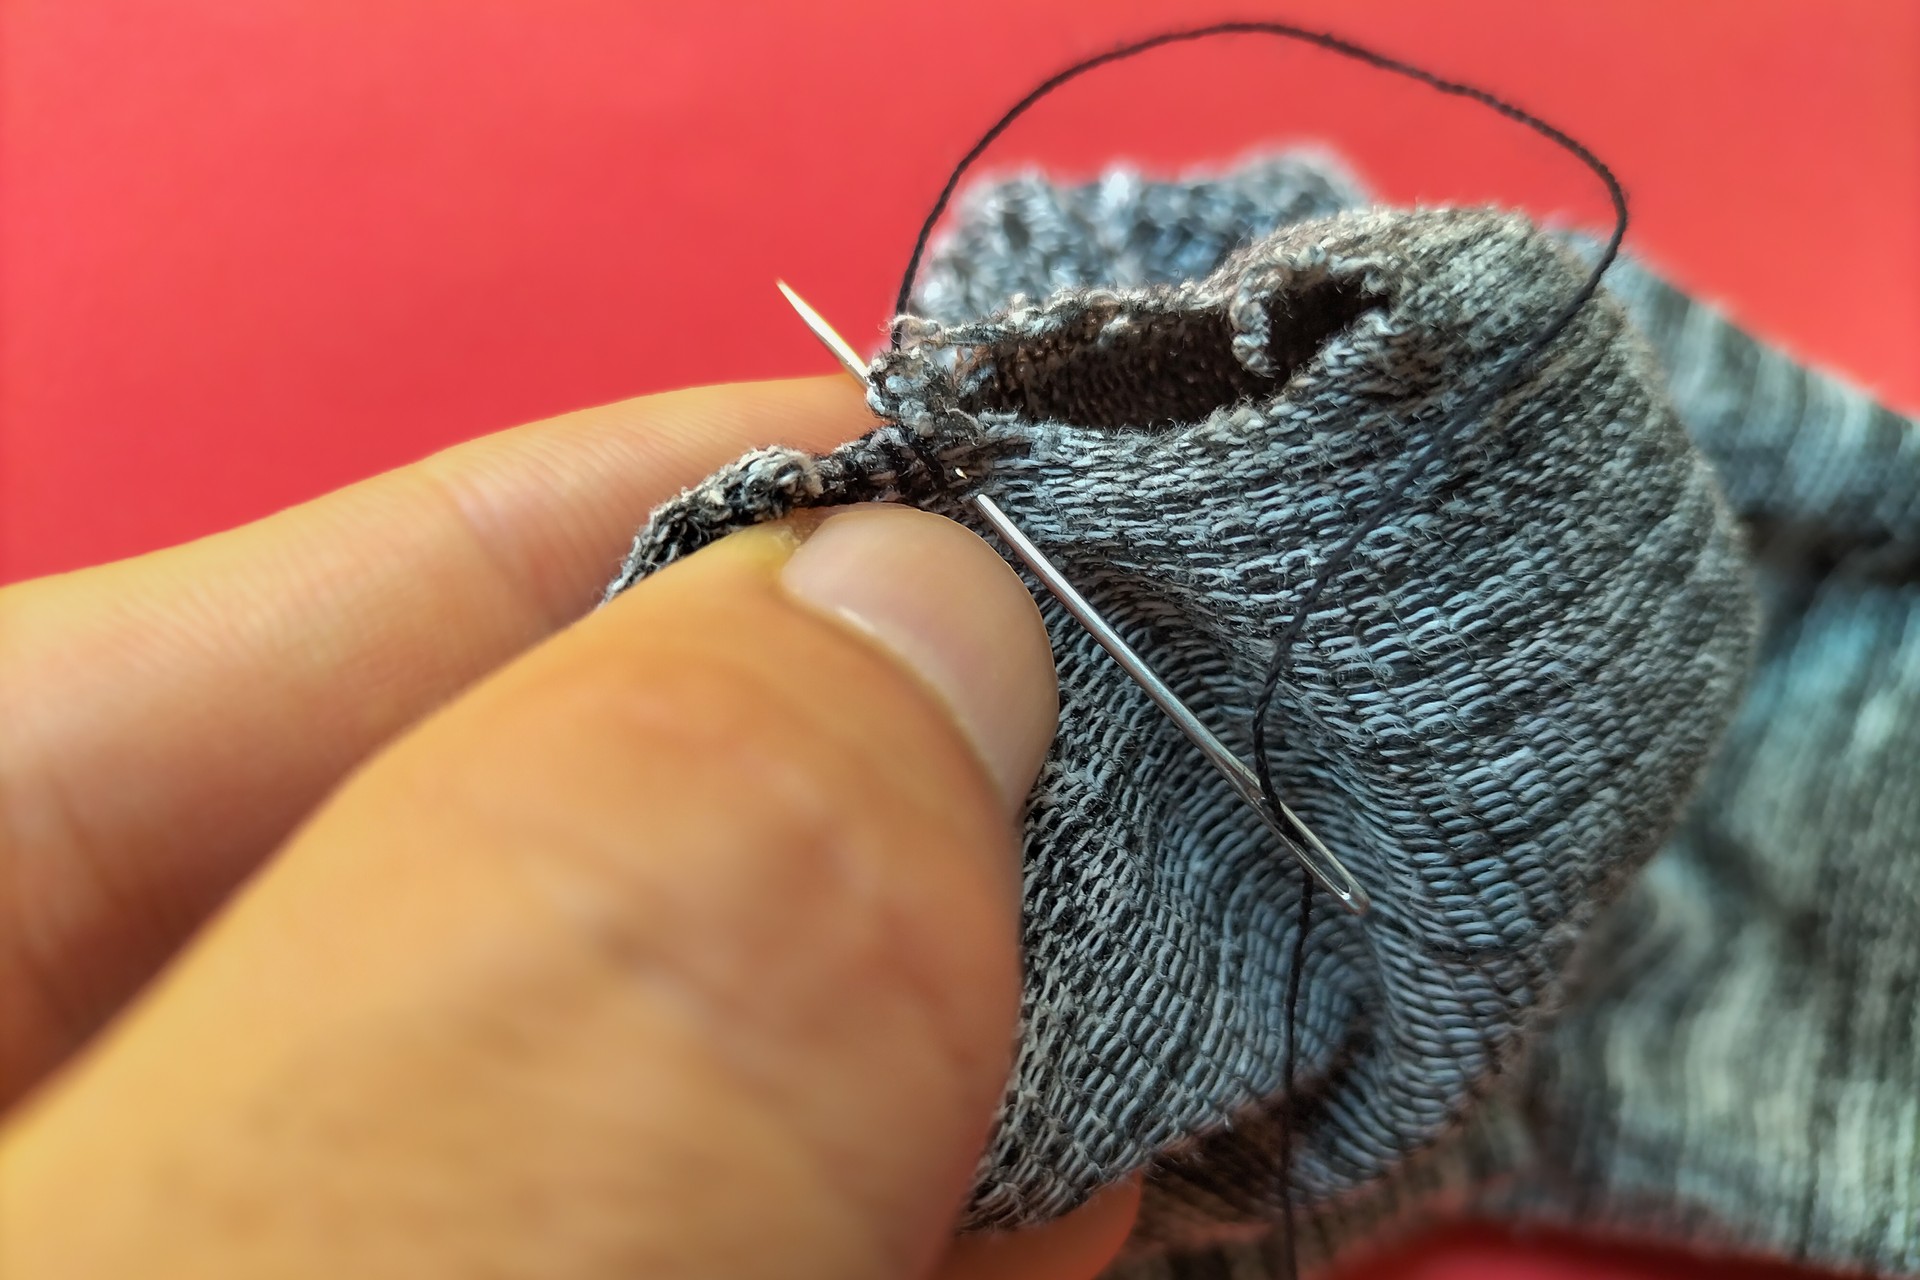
x=1496, y=714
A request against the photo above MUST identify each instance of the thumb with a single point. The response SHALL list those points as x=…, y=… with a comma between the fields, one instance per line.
x=686, y=945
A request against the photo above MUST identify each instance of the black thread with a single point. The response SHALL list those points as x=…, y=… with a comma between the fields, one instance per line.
x=1504, y=380
x=1289, y=1060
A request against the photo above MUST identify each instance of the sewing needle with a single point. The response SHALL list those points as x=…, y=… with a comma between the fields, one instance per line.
x=1299, y=839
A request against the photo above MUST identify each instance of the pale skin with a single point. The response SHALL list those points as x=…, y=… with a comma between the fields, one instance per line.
x=365, y=909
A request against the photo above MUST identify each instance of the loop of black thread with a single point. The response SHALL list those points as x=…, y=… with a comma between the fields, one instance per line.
x=1483, y=399
x=1514, y=367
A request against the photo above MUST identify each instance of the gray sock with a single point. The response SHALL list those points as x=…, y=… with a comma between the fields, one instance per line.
x=1496, y=715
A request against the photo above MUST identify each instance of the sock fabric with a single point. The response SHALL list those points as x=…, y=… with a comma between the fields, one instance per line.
x=1188, y=393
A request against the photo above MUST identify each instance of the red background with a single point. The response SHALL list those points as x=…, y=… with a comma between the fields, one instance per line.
x=253, y=249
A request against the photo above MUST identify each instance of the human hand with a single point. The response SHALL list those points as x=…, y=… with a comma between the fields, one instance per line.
x=680, y=940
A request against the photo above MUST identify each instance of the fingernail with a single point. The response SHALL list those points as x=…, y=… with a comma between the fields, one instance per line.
x=950, y=610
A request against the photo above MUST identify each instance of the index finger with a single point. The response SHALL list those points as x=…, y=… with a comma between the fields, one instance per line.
x=169, y=719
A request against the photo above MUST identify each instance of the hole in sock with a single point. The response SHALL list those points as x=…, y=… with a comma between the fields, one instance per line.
x=1113, y=367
